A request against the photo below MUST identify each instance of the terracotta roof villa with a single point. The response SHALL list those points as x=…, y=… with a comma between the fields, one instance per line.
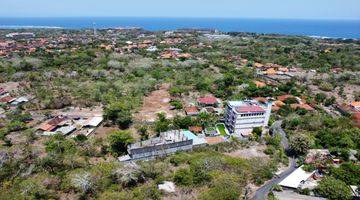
x=207, y=101
x=46, y=127
x=192, y=110
x=355, y=105
x=7, y=99
x=56, y=121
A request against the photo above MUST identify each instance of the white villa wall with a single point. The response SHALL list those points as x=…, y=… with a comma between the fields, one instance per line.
x=236, y=122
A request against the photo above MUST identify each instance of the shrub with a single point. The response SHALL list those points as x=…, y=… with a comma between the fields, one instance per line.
x=183, y=177
x=309, y=168
x=333, y=189
x=225, y=186
x=347, y=172
x=257, y=131
x=304, y=191
x=80, y=138
x=325, y=86
x=277, y=188
x=149, y=192
x=270, y=150
x=179, y=158
x=274, y=141
x=300, y=144
x=177, y=104
x=119, y=114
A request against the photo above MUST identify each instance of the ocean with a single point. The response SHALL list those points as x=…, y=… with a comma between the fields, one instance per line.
x=318, y=28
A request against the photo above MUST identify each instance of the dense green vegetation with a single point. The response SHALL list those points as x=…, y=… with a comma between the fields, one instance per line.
x=82, y=74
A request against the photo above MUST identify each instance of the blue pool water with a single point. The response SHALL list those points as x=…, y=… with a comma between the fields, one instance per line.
x=189, y=135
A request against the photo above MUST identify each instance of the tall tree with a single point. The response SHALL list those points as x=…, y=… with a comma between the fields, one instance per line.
x=119, y=140
x=300, y=144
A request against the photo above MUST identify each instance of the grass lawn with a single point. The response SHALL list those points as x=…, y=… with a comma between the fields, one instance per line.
x=221, y=128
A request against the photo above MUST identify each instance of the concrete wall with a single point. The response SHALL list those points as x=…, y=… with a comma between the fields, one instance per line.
x=160, y=150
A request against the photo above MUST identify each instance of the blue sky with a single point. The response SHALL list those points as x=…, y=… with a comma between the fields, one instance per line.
x=287, y=9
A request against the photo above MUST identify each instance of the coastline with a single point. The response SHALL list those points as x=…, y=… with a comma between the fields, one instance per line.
x=332, y=29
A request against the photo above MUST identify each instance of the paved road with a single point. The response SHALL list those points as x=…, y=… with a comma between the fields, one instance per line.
x=276, y=127
x=263, y=191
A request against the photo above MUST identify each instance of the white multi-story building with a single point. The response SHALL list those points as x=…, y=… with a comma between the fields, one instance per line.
x=242, y=116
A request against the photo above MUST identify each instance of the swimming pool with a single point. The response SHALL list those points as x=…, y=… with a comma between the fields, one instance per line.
x=192, y=136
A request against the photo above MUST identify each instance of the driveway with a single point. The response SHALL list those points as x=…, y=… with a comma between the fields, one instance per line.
x=263, y=191
x=276, y=128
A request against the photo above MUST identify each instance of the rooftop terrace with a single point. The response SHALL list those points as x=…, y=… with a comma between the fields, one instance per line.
x=247, y=106
x=164, y=138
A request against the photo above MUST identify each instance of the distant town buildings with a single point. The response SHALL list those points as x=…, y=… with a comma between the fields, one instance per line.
x=24, y=35
x=242, y=116
x=217, y=36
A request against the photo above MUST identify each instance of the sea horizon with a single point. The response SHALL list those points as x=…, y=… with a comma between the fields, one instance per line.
x=327, y=28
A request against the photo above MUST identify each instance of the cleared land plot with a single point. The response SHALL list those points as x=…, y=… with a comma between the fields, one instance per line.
x=103, y=132
x=10, y=86
x=156, y=102
x=256, y=151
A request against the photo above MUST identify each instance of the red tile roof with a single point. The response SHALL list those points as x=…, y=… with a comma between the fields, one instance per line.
x=261, y=99
x=356, y=118
x=56, y=121
x=303, y=106
x=191, y=110
x=46, y=127
x=2, y=91
x=249, y=109
x=275, y=108
x=207, y=100
x=195, y=129
x=284, y=97
x=355, y=104
x=7, y=99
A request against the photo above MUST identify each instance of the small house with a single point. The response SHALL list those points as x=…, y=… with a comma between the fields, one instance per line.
x=207, y=101
x=296, y=178
x=196, y=129
x=191, y=111
x=355, y=105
